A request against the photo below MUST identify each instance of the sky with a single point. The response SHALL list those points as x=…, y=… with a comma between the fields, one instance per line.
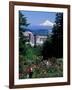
x=39, y=18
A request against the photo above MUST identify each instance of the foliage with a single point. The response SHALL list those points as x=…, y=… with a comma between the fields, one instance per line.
x=32, y=53
x=57, y=37
x=47, y=50
x=42, y=71
x=22, y=40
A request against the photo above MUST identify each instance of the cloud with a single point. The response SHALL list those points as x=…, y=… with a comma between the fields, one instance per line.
x=47, y=23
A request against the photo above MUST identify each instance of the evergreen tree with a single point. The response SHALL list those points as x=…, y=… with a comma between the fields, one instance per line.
x=47, y=50
x=57, y=37
x=22, y=39
x=53, y=46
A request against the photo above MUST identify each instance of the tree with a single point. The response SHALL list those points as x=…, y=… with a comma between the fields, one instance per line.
x=57, y=37
x=47, y=50
x=53, y=46
x=22, y=38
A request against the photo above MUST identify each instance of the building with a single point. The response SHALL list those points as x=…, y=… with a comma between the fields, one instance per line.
x=34, y=39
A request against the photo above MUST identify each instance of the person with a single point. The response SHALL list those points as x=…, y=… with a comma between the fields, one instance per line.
x=30, y=72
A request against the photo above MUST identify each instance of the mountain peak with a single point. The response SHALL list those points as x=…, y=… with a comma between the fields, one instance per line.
x=47, y=23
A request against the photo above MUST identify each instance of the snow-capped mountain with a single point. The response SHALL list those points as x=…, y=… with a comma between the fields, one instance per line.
x=47, y=23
